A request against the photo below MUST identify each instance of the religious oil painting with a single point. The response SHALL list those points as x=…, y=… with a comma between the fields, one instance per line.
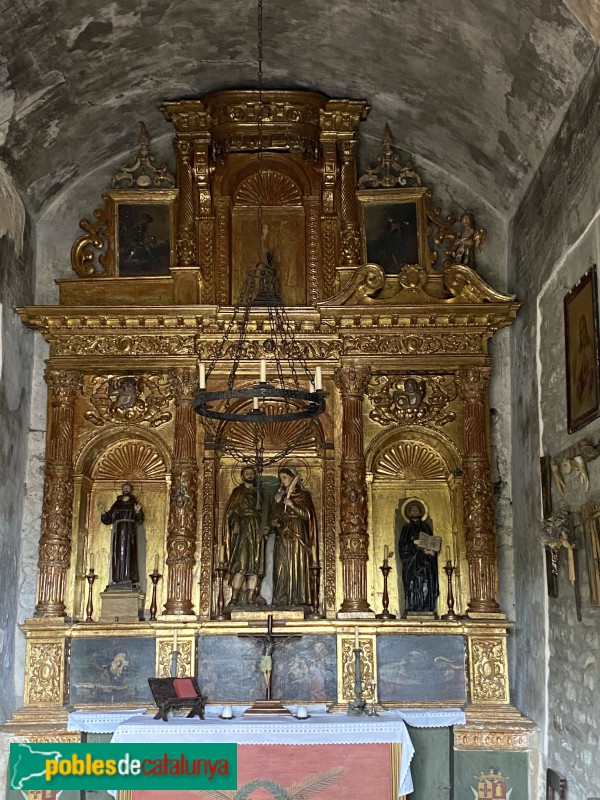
x=581, y=347
x=304, y=668
x=421, y=669
x=144, y=246
x=392, y=225
x=111, y=670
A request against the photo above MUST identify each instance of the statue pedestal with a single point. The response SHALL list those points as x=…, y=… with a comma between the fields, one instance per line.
x=121, y=604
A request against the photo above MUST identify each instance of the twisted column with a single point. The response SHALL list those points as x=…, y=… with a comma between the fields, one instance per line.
x=57, y=506
x=181, y=530
x=186, y=241
x=351, y=255
x=354, y=539
x=478, y=496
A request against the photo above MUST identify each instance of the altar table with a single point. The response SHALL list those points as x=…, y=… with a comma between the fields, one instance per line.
x=350, y=757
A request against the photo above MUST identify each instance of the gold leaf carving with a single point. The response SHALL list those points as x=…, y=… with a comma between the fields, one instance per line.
x=124, y=345
x=413, y=343
x=44, y=673
x=412, y=399
x=367, y=663
x=269, y=189
x=488, y=668
x=410, y=461
x=277, y=435
x=490, y=740
x=131, y=461
x=130, y=398
x=184, y=659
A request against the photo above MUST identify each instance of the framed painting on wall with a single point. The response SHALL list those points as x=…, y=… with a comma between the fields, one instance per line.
x=581, y=348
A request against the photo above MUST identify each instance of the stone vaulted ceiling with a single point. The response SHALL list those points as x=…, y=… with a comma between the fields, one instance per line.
x=475, y=86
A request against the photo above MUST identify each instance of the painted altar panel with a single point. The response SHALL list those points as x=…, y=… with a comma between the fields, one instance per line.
x=115, y=669
x=421, y=669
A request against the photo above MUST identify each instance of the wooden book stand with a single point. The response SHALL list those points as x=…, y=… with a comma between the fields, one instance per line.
x=175, y=693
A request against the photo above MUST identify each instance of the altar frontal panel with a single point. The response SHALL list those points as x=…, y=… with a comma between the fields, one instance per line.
x=326, y=771
x=111, y=670
x=304, y=669
x=421, y=669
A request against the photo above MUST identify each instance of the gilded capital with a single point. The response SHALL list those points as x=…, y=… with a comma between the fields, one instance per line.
x=473, y=382
x=63, y=384
x=184, y=383
x=352, y=381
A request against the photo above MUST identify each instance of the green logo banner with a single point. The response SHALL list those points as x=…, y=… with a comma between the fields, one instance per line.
x=123, y=766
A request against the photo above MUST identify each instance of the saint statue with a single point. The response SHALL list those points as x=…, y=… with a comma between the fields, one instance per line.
x=419, y=564
x=294, y=520
x=124, y=515
x=244, y=538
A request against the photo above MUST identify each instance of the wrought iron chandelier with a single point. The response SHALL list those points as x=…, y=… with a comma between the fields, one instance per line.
x=293, y=394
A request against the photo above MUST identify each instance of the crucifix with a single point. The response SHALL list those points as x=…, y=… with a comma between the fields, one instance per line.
x=269, y=642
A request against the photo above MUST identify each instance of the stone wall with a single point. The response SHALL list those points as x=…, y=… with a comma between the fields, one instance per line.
x=555, y=236
x=16, y=288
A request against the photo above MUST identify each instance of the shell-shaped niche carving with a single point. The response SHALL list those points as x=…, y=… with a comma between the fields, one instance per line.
x=410, y=461
x=130, y=461
x=278, y=435
x=268, y=189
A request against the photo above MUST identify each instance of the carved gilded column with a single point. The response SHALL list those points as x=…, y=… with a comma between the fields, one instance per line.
x=205, y=220
x=478, y=495
x=208, y=534
x=57, y=507
x=351, y=255
x=223, y=246
x=354, y=539
x=186, y=242
x=311, y=211
x=181, y=531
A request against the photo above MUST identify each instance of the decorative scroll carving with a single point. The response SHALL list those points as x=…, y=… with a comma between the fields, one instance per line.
x=144, y=173
x=132, y=461
x=478, y=739
x=254, y=349
x=412, y=343
x=57, y=506
x=367, y=664
x=181, y=531
x=184, y=659
x=365, y=282
x=354, y=539
x=329, y=259
x=410, y=461
x=478, y=499
x=489, y=679
x=130, y=398
x=311, y=210
x=461, y=242
x=208, y=524
x=412, y=399
x=222, y=233
x=181, y=344
x=44, y=667
x=329, y=535
x=390, y=171
x=82, y=258
x=206, y=233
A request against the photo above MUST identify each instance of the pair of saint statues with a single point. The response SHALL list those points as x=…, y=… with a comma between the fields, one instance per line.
x=251, y=515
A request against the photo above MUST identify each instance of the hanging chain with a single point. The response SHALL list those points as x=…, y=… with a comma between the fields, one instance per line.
x=259, y=75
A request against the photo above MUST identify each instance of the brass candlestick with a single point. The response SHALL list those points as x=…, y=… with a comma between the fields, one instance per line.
x=221, y=570
x=385, y=614
x=315, y=574
x=449, y=570
x=154, y=577
x=90, y=578
x=358, y=706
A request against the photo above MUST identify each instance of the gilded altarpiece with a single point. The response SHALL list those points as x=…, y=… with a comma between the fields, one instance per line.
x=404, y=358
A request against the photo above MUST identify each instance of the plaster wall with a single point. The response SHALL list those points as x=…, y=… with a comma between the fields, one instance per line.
x=555, y=235
x=16, y=288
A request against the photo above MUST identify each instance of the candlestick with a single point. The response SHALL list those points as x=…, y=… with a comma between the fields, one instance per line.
x=449, y=569
x=356, y=642
x=263, y=370
x=385, y=614
x=90, y=577
x=202, y=375
x=154, y=577
x=318, y=379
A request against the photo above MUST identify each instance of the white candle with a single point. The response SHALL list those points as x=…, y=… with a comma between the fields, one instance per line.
x=222, y=553
x=175, y=642
x=91, y=561
x=318, y=379
x=448, y=558
x=156, y=563
x=263, y=370
x=356, y=643
x=255, y=403
x=311, y=387
x=202, y=375
x=386, y=552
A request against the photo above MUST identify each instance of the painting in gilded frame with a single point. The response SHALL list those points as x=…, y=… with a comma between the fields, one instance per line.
x=581, y=348
x=394, y=228
x=111, y=670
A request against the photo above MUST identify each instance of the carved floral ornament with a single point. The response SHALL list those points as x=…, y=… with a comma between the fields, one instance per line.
x=412, y=399
x=130, y=398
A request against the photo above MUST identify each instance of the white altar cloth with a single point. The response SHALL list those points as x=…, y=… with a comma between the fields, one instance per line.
x=100, y=721
x=318, y=729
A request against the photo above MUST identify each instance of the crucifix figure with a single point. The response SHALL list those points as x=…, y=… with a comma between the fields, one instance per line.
x=269, y=642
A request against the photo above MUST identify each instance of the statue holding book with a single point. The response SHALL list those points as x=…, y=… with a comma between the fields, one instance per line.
x=418, y=549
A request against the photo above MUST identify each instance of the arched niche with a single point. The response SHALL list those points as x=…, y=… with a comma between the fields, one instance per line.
x=313, y=457
x=287, y=192
x=416, y=461
x=108, y=459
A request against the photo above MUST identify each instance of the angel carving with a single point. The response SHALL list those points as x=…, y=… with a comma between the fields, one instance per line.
x=470, y=236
